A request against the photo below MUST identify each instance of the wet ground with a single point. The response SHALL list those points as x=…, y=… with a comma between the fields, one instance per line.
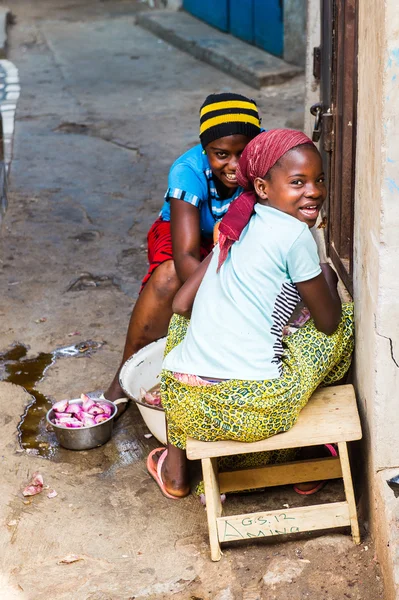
x=34, y=434
x=104, y=111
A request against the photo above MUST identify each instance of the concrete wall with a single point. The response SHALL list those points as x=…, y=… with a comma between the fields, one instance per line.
x=376, y=227
x=376, y=260
x=312, y=87
x=171, y=4
x=312, y=93
x=295, y=32
x=376, y=283
x=368, y=206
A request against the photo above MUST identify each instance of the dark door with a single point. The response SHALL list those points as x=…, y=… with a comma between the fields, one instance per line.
x=269, y=25
x=242, y=19
x=216, y=13
x=336, y=65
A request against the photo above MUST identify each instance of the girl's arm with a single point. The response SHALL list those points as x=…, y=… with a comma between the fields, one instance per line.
x=186, y=237
x=184, y=299
x=321, y=297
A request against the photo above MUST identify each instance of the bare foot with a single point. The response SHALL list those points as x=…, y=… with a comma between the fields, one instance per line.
x=308, y=453
x=114, y=391
x=174, y=476
x=308, y=485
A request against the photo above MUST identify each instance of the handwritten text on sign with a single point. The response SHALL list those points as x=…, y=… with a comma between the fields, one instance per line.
x=261, y=526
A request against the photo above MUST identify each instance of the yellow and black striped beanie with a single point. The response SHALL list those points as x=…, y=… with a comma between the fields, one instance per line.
x=228, y=114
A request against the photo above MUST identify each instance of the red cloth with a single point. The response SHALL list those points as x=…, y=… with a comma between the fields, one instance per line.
x=159, y=241
x=258, y=157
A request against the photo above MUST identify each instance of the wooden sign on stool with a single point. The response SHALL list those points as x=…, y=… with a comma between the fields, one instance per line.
x=330, y=416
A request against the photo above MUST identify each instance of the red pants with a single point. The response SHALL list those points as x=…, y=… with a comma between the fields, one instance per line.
x=159, y=240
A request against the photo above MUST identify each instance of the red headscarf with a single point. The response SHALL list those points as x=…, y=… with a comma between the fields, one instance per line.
x=259, y=156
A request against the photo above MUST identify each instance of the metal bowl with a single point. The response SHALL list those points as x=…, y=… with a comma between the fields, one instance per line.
x=83, y=438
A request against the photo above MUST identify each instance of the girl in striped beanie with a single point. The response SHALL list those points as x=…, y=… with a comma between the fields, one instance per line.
x=202, y=183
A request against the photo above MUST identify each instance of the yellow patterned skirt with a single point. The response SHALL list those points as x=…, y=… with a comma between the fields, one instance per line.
x=248, y=411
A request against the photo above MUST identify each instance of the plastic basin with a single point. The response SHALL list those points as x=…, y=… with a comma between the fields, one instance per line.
x=143, y=369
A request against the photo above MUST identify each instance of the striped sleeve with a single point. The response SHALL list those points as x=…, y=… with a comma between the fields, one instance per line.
x=184, y=184
x=182, y=195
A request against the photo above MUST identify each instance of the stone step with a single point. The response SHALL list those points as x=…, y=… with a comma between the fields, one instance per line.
x=253, y=66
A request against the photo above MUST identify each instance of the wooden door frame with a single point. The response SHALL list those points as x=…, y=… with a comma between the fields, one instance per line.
x=338, y=142
x=344, y=108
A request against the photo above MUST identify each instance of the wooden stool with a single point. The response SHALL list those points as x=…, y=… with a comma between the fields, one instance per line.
x=330, y=416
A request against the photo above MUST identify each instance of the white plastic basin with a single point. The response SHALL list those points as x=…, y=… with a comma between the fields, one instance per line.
x=143, y=369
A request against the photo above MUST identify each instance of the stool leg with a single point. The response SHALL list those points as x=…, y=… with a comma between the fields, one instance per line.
x=349, y=493
x=213, y=503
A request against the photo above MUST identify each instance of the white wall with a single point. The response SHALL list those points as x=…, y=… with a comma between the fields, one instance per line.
x=376, y=269
x=312, y=88
x=295, y=31
x=377, y=228
x=312, y=93
x=376, y=260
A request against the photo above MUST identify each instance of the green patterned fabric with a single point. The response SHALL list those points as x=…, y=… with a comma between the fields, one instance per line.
x=249, y=411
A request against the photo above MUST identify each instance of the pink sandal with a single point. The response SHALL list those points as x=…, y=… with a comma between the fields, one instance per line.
x=320, y=484
x=156, y=471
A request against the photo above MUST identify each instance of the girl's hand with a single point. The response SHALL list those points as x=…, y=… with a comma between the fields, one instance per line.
x=216, y=233
x=321, y=297
x=184, y=299
x=330, y=275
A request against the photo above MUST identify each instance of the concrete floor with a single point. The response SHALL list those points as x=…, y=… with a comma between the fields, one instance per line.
x=105, y=109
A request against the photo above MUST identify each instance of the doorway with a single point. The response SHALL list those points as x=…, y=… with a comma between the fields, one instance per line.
x=258, y=22
x=335, y=65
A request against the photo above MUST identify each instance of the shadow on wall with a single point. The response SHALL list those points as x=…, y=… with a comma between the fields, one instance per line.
x=295, y=32
x=169, y=4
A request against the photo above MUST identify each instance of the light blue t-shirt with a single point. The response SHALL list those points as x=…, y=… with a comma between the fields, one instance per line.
x=191, y=180
x=238, y=315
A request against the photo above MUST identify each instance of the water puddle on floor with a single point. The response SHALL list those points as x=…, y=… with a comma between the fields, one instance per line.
x=33, y=434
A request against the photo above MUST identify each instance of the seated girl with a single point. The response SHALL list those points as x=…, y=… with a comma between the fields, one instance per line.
x=228, y=373
x=202, y=184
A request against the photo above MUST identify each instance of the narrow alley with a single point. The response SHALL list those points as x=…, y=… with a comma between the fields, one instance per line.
x=105, y=108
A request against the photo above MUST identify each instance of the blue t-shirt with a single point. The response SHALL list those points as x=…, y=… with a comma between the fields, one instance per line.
x=238, y=315
x=191, y=180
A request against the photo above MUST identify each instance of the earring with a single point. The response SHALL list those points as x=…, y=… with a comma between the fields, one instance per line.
x=204, y=151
